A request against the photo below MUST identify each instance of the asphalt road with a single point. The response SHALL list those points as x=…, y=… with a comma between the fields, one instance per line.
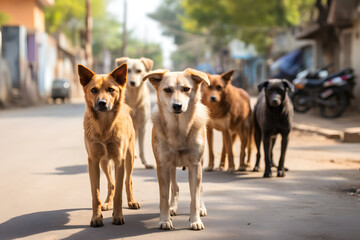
x=45, y=188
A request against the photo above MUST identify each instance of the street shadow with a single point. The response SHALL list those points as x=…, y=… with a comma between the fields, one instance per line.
x=69, y=170
x=38, y=222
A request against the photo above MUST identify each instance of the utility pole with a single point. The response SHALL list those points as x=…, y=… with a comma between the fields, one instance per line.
x=123, y=52
x=88, y=48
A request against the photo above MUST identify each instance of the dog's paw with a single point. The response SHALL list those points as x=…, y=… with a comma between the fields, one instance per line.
x=267, y=175
x=134, y=205
x=118, y=220
x=167, y=225
x=107, y=206
x=256, y=169
x=242, y=168
x=209, y=169
x=203, y=212
x=149, y=166
x=231, y=170
x=281, y=173
x=197, y=225
x=97, y=221
x=222, y=168
x=173, y=211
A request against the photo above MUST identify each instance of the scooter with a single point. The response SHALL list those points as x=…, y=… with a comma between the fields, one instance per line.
x=331, y=93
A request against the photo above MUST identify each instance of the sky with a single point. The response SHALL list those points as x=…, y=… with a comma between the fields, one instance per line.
x=143, y=27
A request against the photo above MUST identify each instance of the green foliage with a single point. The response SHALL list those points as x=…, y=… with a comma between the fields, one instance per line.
x=4, y=18
x=168, y=14
x=249, y=20
x=68, y=16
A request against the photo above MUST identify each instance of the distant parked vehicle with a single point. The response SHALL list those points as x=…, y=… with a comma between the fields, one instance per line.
x=60, y=89
x=332, y=93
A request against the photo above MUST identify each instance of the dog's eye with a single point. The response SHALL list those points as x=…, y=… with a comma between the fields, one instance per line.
x=94, y=90
x=129, y=70
x=210, y=87
x=168, y=90
x=111, y=90
x=186, y=89
x=138, y=71
x=218, y=87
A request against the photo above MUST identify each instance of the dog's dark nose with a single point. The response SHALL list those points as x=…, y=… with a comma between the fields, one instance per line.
x=132, y=83
x=177, y=107
x=213, y=98
x=102, y=103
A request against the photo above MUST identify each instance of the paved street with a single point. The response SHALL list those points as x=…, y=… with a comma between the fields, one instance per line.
x=45, y=188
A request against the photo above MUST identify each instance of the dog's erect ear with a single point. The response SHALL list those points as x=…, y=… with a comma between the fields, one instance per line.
x=198, y=76
x=155, y=76
x=120, y=74
x=85, y=74
x=263, y=85
x=148, y=63
x=121, y=60
x=227, y=76
x=288, y=85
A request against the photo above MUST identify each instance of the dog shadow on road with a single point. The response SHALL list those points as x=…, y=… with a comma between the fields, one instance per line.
x=38, y=222
x=58, y=220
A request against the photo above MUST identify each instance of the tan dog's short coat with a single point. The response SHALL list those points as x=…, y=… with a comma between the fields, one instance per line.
x=230, y=113
x=109, y=135
x=178, y=139
x=137, y=96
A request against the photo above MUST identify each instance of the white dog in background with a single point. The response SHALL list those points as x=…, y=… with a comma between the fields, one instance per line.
x=137, y=96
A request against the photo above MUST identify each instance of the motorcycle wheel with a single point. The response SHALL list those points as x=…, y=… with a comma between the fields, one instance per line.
x=339, y=102
x=300, y=101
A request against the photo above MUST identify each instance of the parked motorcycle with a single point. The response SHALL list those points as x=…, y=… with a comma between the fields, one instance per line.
x=331, y=93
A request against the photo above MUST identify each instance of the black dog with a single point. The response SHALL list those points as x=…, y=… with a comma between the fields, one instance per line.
x=273, y=115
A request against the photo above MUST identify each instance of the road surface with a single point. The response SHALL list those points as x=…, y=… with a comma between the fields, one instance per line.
x=45, y=188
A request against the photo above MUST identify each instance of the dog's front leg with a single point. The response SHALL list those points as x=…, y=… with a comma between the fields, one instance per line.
x=284, y=143
x=163, y=173
x=223, y=155
x=141, y=138
x=228, y=141
x=118, y=217
x=106, y=167
x=195, y=176
x=174, y=192
x=267, y=152
x=209, y=134
x=94, y=173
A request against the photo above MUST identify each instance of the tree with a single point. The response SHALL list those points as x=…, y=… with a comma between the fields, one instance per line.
x=106, y=33
x=248, y=20
x=4, y=18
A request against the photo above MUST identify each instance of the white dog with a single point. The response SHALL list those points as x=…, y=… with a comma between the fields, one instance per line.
x=137, y=96
x=178, y=139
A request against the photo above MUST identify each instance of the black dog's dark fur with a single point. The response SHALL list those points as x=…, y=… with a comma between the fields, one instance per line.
x=273, y=115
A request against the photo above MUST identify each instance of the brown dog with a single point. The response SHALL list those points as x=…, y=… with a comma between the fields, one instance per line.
x=109, y=135
x=178, y=139
x=230, y=113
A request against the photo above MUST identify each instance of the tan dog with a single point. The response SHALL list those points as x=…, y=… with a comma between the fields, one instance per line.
x=137, y=96
x=178, y=139
x=230, y=113
x=109, y=135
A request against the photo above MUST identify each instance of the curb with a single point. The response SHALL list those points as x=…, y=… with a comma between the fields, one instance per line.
x=328, y=133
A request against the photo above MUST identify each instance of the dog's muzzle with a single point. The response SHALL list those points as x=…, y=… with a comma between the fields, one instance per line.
x=275, y=100
x=177, y=108
x=101, y=105
x=213, y=98
x=132, y=83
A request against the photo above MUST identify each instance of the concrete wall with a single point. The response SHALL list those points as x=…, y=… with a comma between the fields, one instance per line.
x=24, y=12
x=355, y=59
